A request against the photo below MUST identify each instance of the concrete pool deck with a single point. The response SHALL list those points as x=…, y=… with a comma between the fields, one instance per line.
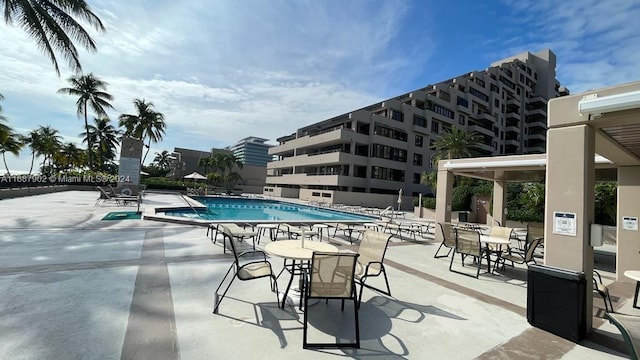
x=75, y=287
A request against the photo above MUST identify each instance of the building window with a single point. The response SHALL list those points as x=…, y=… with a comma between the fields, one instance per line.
x=444, y=95
x=463, y=102
x=495, y=88
x=479, y=94
x=397, y=115
x=419, y=140
x=479, y=82
x=435, y=127
x=417, y=159
x=389, y=153
x=390, y=133
x=381, y=173
x=496, y=103
x=441, y=110
x=416, y=178
x=419, y=120
x=521, y=78
x=461, y=119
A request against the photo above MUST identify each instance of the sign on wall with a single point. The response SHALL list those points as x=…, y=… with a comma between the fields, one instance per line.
x=564, y=223
x=630, y=223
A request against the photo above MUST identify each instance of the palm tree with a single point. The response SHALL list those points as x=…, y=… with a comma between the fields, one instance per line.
x=33, y=140
x=91, y=92
x=49, y=143
x=147, y=124
x=205, y=163
x=72, y=156
x=223, y=164
x=9, y=142
x=104, y=137
x=455, y=144
x=52, y=25
x=162, y=160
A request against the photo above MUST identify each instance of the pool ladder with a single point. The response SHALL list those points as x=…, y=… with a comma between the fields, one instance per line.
x=188, y=203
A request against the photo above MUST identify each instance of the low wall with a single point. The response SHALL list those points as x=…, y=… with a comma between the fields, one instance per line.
x=30, y=191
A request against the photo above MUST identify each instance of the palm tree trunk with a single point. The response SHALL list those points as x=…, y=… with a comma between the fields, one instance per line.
x=146, y=152
x=33, y=158
x=5, y=164
x=86, y=129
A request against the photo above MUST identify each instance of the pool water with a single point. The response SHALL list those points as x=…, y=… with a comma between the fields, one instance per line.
x=240, y=209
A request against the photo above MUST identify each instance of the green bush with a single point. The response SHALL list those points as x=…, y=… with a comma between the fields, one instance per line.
x=163, y=183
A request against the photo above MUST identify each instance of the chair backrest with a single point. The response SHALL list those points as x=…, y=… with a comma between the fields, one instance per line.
x=531, y=248
x=447, y=234
x=534, y=232
x=228, y=234
x=332, y=275
x=501, y=232
x=629, y=326
x=103, y=193
x=468, y=242
x=372, y=248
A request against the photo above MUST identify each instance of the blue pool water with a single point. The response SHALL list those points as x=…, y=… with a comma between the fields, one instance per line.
x=240, y=209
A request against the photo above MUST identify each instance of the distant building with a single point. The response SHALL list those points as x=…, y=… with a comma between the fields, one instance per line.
x=365, y=156
x=185, y=161
x=252, y=151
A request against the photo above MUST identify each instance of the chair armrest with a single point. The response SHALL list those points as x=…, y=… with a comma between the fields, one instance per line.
x=264, y=255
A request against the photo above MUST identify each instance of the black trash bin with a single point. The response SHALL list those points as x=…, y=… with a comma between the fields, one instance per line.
x=462, y=216
x=556, y=301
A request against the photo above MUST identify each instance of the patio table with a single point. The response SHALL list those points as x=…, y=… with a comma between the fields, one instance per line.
x=300, y=253
x=493, y=240
x=634, y=275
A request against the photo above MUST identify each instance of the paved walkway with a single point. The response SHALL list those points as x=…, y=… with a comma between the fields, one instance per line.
x=77, y=287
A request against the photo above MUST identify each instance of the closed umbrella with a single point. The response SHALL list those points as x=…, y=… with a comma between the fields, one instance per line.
x=399, y=198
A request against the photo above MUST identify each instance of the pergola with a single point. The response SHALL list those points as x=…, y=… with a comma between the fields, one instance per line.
x=594, y=135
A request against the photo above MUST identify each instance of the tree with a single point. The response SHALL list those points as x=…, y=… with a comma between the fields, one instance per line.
x=48, y=145
x=71, y=156
x=104, y=137
x=223, y=165
x=52, y=25
x=455, y=144
x=91, y=92
x=161, y=160
x=9, y=142
x=205, y=163
x=33, y=140
x=147, y=124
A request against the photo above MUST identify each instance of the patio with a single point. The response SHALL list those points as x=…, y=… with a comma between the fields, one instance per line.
x=75, y=286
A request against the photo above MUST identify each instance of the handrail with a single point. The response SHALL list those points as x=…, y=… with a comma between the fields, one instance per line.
x=188, y=203
x=389, y=208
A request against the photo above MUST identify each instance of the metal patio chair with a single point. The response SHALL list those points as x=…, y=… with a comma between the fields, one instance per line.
x=331, y=277
x=370, y=262
x=244, y=270
x=467, y=244
x=447, y=233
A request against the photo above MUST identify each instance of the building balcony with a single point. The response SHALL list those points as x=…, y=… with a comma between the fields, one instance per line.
x=337, y=136
x=329, y=158
x=481, y=130
x=512, y=129
x=539, y=149
x=512, y=142
x=305, y=180
x=540, y=137
x=537, y=124
x=535, y=112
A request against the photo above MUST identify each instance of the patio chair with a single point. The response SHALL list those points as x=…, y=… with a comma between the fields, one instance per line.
x=331, y=277
x=237, y=232
x=519, y=258
x=244, y=271
x=629, y=327
x=447, y=233
x=602, y=290
x=370, y=263
x=117, y=199
x=467, y=244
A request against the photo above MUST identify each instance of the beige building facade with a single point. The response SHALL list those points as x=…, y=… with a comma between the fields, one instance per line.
x=366, y=156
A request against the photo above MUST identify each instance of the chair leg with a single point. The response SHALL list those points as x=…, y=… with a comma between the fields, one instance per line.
x=439, y=256
x=217, y=300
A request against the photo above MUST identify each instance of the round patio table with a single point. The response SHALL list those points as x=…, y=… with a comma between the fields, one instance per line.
x=634, y=275
x=300, y=253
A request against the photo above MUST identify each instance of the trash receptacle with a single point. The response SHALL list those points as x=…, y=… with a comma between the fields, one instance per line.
x=556, y=301
x=462, y=216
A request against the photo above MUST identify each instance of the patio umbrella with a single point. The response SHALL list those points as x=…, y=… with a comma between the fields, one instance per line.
x=399, y=198
x=195, y=176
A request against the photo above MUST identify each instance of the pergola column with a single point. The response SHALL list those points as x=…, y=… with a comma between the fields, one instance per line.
x=569, y=191
x=628, y=244
x=444, y=194
x=499, y=202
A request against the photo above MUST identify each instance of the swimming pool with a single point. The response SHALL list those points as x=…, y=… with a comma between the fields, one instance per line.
x=249, y=210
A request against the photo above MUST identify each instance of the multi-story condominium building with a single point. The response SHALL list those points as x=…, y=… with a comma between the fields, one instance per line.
x=366, y=156
x=252, y=151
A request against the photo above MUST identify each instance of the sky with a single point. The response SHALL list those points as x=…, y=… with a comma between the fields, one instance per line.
x=224, y=70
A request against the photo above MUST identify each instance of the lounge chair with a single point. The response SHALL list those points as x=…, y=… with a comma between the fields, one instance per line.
x=331, y=277
x=629, y=327
x=244, y=271
x=237, y=232
x=117, y=199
